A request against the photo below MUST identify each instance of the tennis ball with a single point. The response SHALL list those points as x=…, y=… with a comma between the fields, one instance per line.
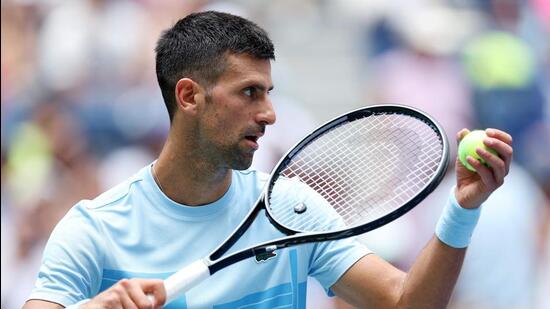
x=468, y=146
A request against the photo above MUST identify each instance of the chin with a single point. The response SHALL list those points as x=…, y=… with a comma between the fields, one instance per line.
x=239, y=159
x=240, y=166
x=242, y=163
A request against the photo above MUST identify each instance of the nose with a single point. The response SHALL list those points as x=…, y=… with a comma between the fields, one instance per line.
x=267, y=115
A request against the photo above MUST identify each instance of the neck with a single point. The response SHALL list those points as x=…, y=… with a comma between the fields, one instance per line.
x=186, y=178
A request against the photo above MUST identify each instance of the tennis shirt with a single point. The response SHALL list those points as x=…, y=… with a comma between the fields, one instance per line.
x=135, y=231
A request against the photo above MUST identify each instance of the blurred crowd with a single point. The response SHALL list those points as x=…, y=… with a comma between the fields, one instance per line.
x=81, y=111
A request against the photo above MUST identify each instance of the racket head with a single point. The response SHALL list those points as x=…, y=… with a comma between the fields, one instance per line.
x=360, y=171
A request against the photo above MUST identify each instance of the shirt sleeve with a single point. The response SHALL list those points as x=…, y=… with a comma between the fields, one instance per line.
x=71, y=266
x=330, y=260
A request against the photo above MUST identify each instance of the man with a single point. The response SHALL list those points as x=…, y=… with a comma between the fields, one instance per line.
x=215, y=76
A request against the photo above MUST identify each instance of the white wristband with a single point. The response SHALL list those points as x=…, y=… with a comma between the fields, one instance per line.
x=456, y=224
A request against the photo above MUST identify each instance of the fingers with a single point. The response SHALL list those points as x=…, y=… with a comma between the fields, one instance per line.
x=133, y=289
x=485, y=173
x=498, y=168
x=500, y=135
x=501, y=142
x=474, y=188
x=114, y=297
x=125, y=299
x=505, y=153
x=460, y=135
x=156, y=289
x=131, y=294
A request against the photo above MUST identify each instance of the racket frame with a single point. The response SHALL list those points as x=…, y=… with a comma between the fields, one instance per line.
x=217, y=261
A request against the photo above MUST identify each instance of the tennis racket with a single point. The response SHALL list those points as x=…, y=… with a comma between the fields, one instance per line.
x=351, y=175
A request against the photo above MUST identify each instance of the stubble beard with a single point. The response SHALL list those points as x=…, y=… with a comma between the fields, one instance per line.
x=231, y=156
x=238, y=160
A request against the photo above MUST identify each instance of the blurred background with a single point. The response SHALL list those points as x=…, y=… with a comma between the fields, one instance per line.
x=81, y=111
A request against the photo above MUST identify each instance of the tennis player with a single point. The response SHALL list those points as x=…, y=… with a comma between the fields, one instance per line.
x=215, y=76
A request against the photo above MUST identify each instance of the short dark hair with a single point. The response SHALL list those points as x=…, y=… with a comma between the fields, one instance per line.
x=196, y=47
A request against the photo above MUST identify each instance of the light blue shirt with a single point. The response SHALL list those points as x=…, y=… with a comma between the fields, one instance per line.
x=134, y=230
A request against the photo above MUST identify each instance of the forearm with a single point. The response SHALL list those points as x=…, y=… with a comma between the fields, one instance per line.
x=432, y=277
x=430, y=281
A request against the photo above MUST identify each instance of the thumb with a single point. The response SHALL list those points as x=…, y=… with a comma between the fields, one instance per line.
x=460, y=135
x=155, y=291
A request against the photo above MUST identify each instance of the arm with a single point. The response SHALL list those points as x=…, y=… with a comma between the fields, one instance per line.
x=372, y=282
x=70, y=273
x=375, y=283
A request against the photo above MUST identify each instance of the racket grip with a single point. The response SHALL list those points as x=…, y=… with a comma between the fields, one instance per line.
x=183, y=280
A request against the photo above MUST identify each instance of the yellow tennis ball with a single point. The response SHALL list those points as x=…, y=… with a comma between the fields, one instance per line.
x=468, y=146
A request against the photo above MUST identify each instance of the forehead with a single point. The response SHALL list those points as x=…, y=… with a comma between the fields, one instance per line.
x=244, y=68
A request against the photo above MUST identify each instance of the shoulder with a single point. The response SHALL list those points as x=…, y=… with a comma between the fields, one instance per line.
x=113, y=195
x=84, y=223
x=88, y=210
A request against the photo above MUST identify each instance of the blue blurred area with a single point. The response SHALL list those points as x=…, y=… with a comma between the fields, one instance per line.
x=81, y=109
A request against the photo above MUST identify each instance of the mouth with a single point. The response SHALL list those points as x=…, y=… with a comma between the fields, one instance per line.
x=253, y=139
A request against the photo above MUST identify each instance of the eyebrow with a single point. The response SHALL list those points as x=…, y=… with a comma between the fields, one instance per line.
x=261, y=87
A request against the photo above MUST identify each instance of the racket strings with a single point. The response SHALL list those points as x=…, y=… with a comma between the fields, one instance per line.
x=372, y=186
x=321, y=185
x=356, y=173
x=377, y=195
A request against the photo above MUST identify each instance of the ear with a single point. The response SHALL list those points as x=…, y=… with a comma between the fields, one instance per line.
x=186, y=94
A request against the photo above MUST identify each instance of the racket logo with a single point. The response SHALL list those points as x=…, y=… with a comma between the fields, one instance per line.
x=263, y=257
x=300, y=208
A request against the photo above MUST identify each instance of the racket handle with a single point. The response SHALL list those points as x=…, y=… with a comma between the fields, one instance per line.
x=183, y=280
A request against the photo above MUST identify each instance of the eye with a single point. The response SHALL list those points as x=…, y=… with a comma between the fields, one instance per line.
x=249, y=91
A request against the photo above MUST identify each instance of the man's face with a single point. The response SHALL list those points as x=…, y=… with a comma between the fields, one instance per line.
x=236, y=112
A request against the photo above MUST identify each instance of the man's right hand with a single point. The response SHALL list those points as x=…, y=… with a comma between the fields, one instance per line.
x=130, y=294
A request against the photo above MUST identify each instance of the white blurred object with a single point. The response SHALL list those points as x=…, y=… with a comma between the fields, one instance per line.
x=139, y=113
x=121, y=164
x=65, y=43
x=79, y=38
x=226, y=7
x=433, y=28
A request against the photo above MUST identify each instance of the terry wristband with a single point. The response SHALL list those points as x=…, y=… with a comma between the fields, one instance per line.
x=456, y=224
